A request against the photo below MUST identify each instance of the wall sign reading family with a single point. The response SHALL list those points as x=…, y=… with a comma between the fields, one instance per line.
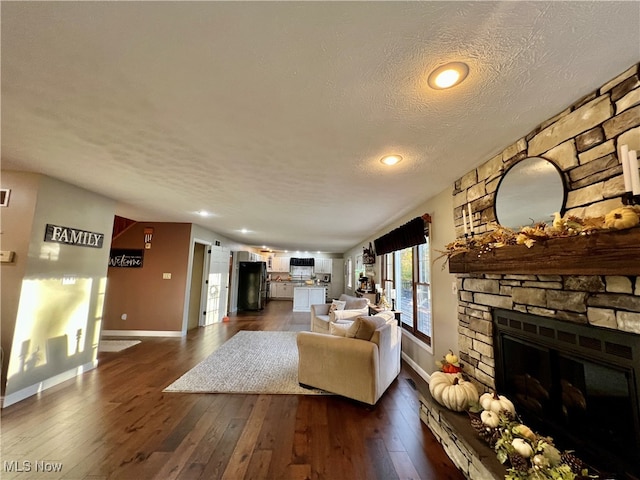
x=73, y=236
x=126, y=258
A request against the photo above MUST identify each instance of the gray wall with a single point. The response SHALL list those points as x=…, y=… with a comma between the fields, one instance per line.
x=54, y=327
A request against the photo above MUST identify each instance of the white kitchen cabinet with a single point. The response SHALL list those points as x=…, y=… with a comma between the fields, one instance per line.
x=304, y=297
x=283, y=290
x=244, y=256
x=323, y=265
x=280, y=264
x=277, y=262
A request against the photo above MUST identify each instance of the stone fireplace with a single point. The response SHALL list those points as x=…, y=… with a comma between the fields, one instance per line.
x=604, y=301
x=591, y=282
x=576, y=310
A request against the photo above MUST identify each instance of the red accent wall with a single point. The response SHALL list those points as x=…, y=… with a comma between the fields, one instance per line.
x=150, y=302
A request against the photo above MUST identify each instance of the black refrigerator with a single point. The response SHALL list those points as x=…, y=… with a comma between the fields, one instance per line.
x=252, y=285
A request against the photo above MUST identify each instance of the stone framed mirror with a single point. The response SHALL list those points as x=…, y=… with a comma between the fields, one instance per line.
x=530, y=192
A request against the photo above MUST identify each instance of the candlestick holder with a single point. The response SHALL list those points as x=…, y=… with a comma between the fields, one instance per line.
x=628, y=198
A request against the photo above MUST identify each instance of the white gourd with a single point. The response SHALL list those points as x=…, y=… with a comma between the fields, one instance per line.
x=489, y=418
x=496, y=403
x=522, y=447
x=452, y=391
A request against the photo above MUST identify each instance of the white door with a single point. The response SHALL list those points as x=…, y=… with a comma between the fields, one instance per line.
x=217, y=285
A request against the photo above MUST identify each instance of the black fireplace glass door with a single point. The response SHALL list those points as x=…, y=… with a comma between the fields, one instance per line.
x=529, y=376
x=596, y=403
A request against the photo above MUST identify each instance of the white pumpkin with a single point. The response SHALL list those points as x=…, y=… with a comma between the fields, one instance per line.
x=490, y=419
x=496, y=403
x=522, y=447
x=452, y=391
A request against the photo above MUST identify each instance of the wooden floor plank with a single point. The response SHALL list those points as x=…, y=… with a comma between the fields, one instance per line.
x=116, y=423
x=259, y=465
x=403, y=466
x=220, y=457
x=241, y=456
x=172, y=468
x=383, y=467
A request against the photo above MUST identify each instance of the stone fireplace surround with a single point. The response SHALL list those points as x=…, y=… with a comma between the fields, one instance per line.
x=604, y=301
x=582, y=141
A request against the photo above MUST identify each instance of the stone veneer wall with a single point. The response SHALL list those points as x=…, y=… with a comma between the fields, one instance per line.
x=604, y=301
x=583, y=142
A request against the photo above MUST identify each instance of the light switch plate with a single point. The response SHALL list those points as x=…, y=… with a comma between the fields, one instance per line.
x=166, y=276
x=6, y=256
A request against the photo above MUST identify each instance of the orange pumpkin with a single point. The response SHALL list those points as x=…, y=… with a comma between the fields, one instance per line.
x=450, y=368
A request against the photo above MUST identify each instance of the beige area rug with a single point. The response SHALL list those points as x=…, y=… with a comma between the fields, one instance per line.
x=249, y=362
x=116, y=345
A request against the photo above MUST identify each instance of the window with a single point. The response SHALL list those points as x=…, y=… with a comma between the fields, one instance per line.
x=423, y=293
x=404, y=291
x=359, y=272
x=348, y=272
x=388, y=283
x=407, y=272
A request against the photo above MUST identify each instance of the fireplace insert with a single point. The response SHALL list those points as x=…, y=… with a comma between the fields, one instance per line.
x=576, y=383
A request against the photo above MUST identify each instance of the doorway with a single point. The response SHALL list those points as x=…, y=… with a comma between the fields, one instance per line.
x=216, y=286
x=197, y=270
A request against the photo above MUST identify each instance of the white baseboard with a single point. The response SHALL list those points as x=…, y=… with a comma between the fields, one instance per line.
x=416, y=367
x=141, y=333
x=48, y=383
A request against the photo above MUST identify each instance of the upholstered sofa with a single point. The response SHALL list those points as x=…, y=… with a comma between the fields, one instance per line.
x=358, y=368
x=321, y=317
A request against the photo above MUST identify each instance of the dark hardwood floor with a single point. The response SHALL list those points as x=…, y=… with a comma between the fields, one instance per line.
x=115, y=422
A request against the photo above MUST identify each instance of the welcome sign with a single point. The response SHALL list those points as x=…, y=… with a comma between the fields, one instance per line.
x=126, y=258
x=73, y=236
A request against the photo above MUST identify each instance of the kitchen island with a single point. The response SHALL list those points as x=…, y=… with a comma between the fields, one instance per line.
x=305, y=296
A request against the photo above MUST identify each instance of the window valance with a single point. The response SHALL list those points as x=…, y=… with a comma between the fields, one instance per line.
x=408, y=235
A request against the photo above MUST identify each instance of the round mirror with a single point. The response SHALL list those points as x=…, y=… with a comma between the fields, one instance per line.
x=530, y=191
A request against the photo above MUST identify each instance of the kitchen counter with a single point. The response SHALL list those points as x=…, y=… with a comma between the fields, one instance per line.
x=306, y=295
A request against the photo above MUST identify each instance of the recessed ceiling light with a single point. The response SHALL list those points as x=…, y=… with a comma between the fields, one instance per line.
x=448, y=75
x=203, y=213
x=391, y=159
x=244, y=230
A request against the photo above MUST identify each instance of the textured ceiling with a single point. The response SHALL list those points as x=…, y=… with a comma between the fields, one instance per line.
x=273, y=115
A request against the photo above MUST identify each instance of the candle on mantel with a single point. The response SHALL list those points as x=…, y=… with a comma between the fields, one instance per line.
x=635, y=172
x=470, y=218
x=464, y=221
x=626, y=168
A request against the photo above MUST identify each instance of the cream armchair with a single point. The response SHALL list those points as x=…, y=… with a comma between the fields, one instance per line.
x=354, y=307
x=355, y=368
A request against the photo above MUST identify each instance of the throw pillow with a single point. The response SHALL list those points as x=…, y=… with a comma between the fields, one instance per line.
x=363, y=327
x=338, y=330
x=354, y=303
x=336, y=305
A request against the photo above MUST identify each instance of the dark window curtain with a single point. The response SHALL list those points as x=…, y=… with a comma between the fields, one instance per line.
x=302, y=262
x=410, y=234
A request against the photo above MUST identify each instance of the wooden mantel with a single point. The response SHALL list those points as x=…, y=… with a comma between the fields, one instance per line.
x=601, y=253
